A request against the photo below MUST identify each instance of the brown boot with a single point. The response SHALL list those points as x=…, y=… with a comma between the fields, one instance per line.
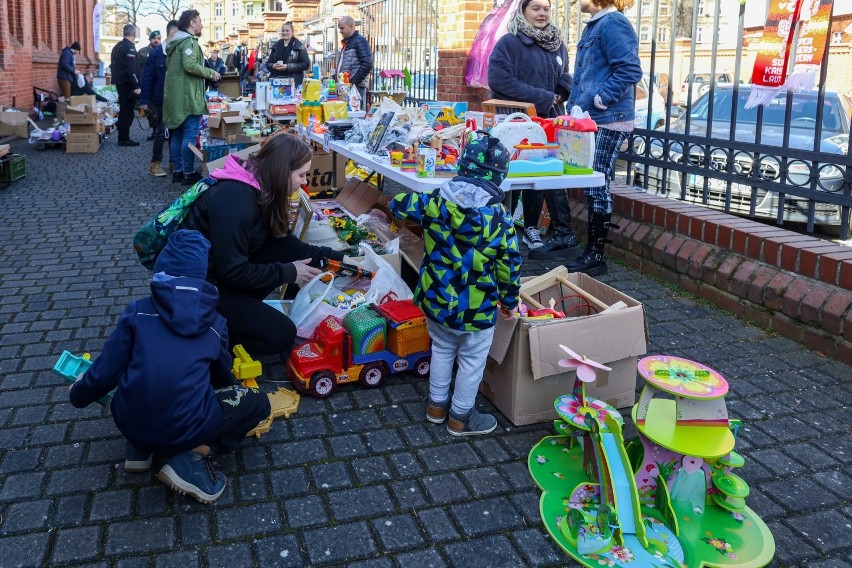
x=155, y=170
x=171, y=167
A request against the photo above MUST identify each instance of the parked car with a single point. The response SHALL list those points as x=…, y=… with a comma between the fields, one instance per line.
x=699, y=82
x=834, y=139
x=658, y=105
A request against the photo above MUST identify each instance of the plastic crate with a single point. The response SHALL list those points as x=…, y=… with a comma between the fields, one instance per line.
x=12, y=168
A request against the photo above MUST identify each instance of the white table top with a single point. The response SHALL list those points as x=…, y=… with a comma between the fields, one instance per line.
x=408, y=179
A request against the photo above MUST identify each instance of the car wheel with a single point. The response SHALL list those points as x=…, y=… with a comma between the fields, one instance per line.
x=372, y=375
x=422, y=366
x=323, y=384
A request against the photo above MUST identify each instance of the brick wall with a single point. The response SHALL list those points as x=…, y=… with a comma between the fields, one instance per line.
x=32, y=35
x=458, y=22
x=798, y=285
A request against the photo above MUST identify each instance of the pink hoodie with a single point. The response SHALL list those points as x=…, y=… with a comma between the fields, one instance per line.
x=234, y=169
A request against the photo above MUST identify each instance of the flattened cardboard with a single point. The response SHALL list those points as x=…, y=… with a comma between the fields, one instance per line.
x=522, y=377
x=358, y=197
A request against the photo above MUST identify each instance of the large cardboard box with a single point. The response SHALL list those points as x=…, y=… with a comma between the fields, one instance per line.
x=82, y=143
x=14, y=123
x=522, y=376
x=225, y=124
x=320, y=175
x=83, y=100
x=81, y=114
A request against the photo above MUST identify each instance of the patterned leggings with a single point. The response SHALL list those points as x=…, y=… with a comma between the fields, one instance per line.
x=607, y=143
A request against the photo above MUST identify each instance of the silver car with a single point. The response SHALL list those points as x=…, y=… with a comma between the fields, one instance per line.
x=834, y=139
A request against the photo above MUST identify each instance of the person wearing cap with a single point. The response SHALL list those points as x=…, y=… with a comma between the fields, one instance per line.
x=154, y=39
x=151, y=101
x=470, y=272
x=168, y=363
x=66, y=72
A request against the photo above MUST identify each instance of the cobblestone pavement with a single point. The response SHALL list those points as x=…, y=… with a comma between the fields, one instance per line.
x=360, y=480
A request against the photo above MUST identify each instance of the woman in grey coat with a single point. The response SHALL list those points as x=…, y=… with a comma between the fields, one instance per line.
x=530, y=64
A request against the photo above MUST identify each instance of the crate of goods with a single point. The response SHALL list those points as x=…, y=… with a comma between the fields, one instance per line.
x=12, y=168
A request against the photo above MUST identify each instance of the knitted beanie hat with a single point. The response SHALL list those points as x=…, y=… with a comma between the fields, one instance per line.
x=485, y=158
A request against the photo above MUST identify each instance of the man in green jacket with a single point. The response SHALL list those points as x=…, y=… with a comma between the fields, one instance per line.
x=183, y=100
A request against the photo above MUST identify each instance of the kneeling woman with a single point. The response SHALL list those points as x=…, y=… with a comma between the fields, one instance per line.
x=245, y=216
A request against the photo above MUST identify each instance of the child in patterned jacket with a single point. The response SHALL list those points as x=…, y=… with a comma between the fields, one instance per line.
x=470, y=271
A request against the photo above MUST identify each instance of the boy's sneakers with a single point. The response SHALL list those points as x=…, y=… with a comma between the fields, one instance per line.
x=137, y=461
x=436, y=412
x=532, y=238
x=470, y=424
x=192, y=474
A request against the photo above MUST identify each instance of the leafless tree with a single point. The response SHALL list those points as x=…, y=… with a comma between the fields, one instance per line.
x=169, y=9
x=133, y=9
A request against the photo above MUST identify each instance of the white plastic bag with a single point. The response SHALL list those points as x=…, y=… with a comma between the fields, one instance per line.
x=310, y=308
x=386, y=285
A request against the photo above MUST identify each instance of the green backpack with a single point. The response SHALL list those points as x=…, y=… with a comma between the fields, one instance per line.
x=153, y=236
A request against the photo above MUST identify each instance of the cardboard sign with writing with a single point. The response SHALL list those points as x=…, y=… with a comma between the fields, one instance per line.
x=320, y=175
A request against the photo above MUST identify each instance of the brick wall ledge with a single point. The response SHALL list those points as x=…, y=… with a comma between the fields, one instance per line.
x=800, y=286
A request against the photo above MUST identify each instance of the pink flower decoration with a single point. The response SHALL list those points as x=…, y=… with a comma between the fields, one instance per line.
x=585, y=366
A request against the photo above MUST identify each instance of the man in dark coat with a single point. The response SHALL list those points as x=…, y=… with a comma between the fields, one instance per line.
x=126, y=81
x=66, y=73
x=216, y=64
x=356, y=57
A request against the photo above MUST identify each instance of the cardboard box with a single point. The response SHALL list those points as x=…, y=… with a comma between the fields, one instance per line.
x=82, y=143
x=522, y=376
x=225, y=124
x=83, y=100
x=320, y=175
x=81, y=114
x=358, y=197
x=14, y=123
x=220, y=163
x=87, y=128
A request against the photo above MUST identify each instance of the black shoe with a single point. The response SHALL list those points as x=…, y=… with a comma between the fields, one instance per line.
x=150, y=137
x=128, y=142
x=177, y=177
x=592, y=262
x=189, y=179
x=561, y=246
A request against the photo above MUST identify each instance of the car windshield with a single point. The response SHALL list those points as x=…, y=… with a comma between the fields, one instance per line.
x=804, y=111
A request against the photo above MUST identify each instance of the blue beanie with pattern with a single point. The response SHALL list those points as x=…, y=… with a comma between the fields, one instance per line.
x=485, y=158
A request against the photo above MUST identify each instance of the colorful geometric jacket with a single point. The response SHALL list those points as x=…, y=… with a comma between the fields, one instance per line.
x=471, y=259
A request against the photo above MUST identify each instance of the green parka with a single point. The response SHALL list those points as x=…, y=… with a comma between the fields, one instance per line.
x=185, y=75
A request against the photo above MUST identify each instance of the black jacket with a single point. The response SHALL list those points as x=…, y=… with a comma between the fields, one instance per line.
x=229, y=216
x=295, y=56
x=65, y=70
x=520, y=70
x=357, y=59
x=123, y=65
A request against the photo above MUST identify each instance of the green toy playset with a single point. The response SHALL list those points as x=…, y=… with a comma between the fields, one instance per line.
x=668, y=498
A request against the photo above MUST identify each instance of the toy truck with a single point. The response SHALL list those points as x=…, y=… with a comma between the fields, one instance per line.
x=70, y=366
x=370, y=343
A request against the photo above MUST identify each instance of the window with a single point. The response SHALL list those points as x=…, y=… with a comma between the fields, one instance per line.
x=217, y=11
x=836, y=38
x=217, y=32
x=663, y=35
x=664, y=9
x=279, y=6
x=701, y=8
x=699, y=35
x=235, y=10
x=644, y=35
x=646, y=8
x=249, y=9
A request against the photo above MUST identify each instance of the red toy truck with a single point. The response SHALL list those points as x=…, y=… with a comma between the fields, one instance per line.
x=370, y=343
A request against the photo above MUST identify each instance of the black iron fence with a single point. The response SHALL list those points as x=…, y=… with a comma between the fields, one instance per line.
x=788, y=162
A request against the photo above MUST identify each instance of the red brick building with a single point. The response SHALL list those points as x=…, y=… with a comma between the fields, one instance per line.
x=32, y=35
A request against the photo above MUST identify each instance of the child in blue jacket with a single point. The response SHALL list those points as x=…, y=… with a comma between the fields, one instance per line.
x=168, y=362
x=470, y=271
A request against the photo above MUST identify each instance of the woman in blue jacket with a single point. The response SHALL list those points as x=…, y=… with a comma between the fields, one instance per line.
x=605, y=72
x=530, y=64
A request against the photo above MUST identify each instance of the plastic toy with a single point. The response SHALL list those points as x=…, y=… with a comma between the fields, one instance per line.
x=666, y=499
x=284, y=403
x=245, y=368
x=371, y=342
x=70, y=366
x=536, y=167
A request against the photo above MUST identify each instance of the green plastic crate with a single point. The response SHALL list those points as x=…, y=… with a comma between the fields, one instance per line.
x=12, y=168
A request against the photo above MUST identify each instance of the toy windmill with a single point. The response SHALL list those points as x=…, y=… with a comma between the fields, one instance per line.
x=574, y=408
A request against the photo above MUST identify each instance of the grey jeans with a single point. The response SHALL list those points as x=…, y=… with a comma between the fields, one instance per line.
x=471, y=349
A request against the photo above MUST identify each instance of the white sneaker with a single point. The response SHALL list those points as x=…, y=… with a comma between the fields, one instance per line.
x=532, y=238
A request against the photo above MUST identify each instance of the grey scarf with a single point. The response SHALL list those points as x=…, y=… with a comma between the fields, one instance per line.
x=548, y=39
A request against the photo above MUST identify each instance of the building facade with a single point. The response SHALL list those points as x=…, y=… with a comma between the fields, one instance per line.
x=32, y=35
